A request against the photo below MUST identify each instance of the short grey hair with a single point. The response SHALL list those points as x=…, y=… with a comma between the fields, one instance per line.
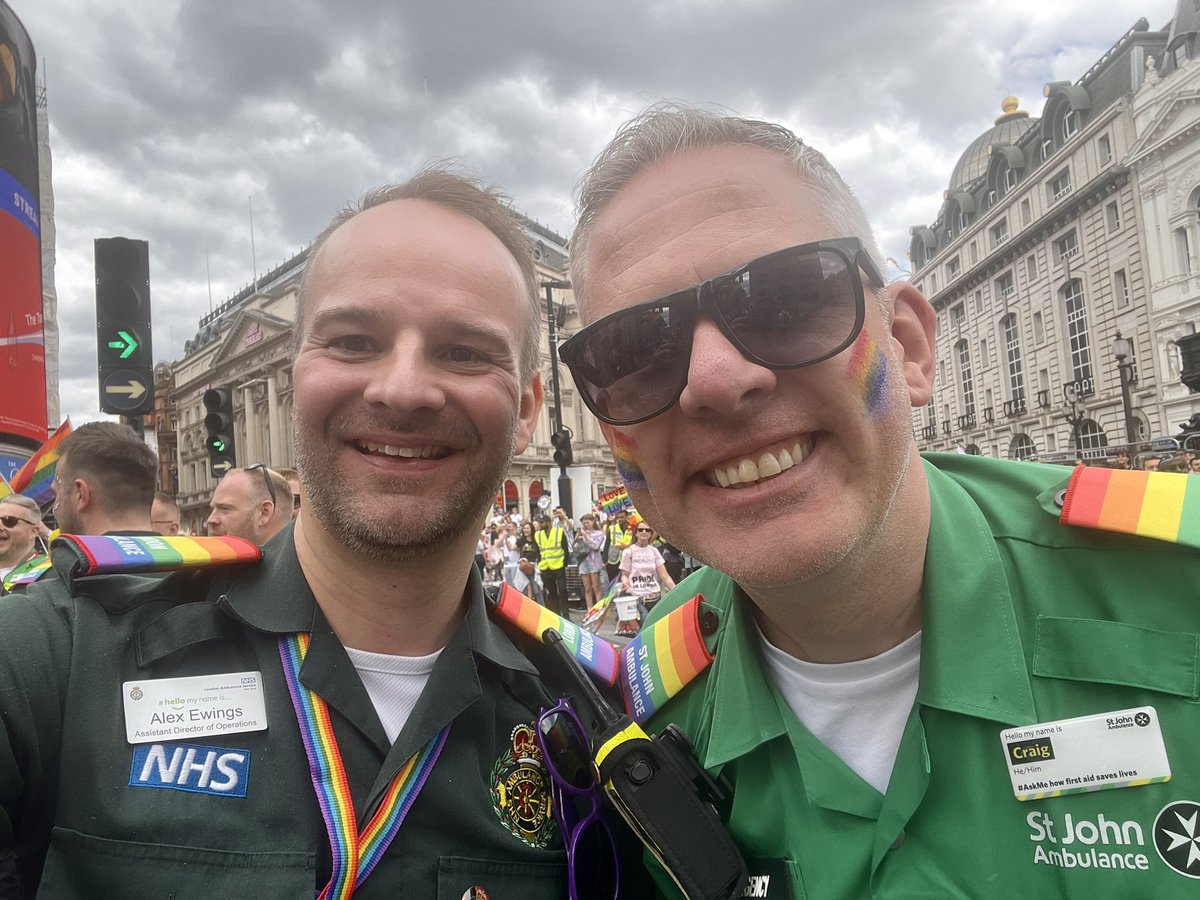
x=26, y=503
x=666, y=129
x=444, y=184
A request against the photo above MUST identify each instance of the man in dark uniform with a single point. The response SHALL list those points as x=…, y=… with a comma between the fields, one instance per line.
x=105, y=481
x=345, y=712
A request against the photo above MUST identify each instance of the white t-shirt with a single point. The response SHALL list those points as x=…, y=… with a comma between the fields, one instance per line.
x=394, y=684
x=641, y=564
x=856, y=709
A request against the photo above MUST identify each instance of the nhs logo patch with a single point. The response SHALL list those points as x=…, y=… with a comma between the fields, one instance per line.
x=191, y=767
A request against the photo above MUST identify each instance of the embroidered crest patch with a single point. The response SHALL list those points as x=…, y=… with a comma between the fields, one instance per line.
x=520, y=789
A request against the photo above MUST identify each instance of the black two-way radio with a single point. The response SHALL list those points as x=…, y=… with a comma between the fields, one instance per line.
x=662, y=792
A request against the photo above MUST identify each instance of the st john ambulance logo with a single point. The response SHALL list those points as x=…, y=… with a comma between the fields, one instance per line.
x=1177, y=837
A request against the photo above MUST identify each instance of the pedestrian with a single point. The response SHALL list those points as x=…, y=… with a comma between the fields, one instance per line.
x=591, y=564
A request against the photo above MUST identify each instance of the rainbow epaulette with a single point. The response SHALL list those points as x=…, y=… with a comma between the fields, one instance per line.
x=27, y=573
x=653, y=667
x=1164, y=506
x=109, y=554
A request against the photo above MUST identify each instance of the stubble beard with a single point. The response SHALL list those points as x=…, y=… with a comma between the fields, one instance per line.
x=443, y=521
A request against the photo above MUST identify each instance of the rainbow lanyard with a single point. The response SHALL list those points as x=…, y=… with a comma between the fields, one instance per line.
x=355, y=855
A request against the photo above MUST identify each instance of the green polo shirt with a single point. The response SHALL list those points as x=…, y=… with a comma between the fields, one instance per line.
x=1025, y=621
x=68, y=777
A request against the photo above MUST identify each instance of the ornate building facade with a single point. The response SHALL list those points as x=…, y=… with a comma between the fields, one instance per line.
x=1166, y=159
x=1036, y=266
x=245, y=345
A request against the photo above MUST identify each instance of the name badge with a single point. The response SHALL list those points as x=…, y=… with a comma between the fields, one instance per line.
x=1091, y=753
x=201, y=706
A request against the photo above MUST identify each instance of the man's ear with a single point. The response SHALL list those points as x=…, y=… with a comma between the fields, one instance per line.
x=85, y=496
x=914, y=327
x=531, y=401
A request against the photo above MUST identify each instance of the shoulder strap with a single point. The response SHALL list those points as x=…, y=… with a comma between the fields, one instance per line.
x=655, y=666
x=1164, y=506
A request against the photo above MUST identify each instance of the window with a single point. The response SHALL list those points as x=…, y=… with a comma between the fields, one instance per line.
x=1090, y=436
x=953, y=269
x=992, y=197
x=957, y=315
x=1022, y=447
x=973, y=252
x=1077, y=332
x=1010, y=178
x=1121, y=289
x=1183, y=250
x=1047, y=149
x=1070, y=125
x=979, y=303
x=983, y=352
x=1067, y=245
x=1026, y=212
x=1002, y=178
x=1000, y=232
x=1043, y=379
x=1004, y=285
x=1012, y=350
x=963, y=221
x=942, y=374
x=1105, y=145
x=1031, y=267
x=965, y=379
x=933, y=282
x=1179, y=54
x=1039, y=331
x=1059, y=186
x=1112, y=214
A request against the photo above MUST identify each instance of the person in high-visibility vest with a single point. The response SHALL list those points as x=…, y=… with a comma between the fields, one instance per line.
x=553, y=541
x=618, y=536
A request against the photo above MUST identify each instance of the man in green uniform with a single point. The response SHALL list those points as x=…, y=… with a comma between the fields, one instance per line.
x=922, y=680
x=344, y=713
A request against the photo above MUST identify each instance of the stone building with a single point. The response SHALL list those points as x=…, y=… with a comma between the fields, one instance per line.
x=1036, y=266
x=245, y=345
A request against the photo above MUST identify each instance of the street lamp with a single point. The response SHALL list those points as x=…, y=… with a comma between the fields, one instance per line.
x=1123, y=351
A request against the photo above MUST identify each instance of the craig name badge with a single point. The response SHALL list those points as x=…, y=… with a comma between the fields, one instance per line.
x=1091, y=753
x=201, y=706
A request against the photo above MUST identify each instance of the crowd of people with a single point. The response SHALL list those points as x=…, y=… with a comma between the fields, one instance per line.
x=620, y=552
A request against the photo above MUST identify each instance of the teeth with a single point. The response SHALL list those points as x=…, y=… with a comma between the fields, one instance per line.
x=748, y=471
x=428, y=452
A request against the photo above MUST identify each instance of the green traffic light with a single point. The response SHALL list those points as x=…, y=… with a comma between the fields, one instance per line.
x=218, y=445
x=127, y=344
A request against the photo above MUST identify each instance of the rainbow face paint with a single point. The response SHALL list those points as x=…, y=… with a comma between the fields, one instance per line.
x=624, y=450
x=869, y=369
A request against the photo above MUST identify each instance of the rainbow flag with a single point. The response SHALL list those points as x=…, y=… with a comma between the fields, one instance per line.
x=1160, y=505
x=105, y=554
x=5, y=488
x=595, y=654
x=612, y=502
x=35, y=479
x=663, y=658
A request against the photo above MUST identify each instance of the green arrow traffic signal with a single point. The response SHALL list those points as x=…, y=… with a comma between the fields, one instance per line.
x=127, y=344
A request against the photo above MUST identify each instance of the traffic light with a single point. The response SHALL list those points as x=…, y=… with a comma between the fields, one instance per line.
x=562, y=448
x=218, y=423
x=124, y=356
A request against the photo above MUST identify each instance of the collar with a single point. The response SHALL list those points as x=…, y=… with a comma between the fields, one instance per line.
x=274, y=597
x=972, y=660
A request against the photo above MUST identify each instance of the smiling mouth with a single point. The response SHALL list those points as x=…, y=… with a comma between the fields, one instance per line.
x=747, y=470
x=430, y=451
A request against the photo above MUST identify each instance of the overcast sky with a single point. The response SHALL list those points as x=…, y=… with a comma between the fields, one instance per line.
x=166, y=116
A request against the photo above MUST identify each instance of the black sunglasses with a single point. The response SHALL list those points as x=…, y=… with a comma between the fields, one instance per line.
x=789, y=309
x=266, y=478
x=647, y=530
x=11, y=521
x=593, y=871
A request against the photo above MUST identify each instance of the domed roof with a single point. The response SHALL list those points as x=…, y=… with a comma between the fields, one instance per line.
x=1008, y=129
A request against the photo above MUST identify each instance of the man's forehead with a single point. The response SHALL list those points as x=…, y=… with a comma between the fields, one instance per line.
x=705, y=211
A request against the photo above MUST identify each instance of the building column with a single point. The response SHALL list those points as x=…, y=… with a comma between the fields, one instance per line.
x=274, y=424
x=252, y=454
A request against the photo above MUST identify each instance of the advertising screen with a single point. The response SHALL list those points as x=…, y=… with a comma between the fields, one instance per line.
x=22, y=345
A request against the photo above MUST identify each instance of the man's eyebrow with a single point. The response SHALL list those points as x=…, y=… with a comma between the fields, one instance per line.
x=338, y=315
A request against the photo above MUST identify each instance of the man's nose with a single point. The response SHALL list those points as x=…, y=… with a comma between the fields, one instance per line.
x=406, y=379
x=720, y=379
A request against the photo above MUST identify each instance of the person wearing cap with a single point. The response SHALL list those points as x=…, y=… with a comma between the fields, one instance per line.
x=925, y=666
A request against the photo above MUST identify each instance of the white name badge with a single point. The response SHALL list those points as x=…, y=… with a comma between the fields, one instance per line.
x=1092, y=753
x=183, y=708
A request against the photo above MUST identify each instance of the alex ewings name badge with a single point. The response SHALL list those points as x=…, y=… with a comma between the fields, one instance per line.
x=1091, y=753
x=201, y=706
